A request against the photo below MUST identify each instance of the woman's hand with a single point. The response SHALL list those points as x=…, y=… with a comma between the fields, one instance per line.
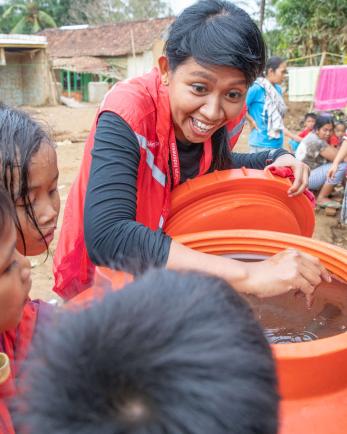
x=332, y=171
x=301, y=173
x=286, y=271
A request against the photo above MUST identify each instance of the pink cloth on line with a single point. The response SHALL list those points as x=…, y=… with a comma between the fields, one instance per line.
x=331, y=92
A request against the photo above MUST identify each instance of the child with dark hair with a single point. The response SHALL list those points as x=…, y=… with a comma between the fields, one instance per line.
x=29, y=172
x=172, y=353
x=19, y=316
x=309, y=122
x=338, y=135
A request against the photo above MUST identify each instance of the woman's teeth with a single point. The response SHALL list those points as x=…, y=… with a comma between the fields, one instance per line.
x=201, y=126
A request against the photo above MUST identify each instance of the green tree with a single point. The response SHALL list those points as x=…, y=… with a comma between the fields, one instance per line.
x=144, y=9
x=27, y=16
x=312, y=26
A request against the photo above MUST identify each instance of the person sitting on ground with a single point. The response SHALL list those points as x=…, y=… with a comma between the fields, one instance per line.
x=339, y=132
x=173, y=352
x=309, y=121
x=315, y=151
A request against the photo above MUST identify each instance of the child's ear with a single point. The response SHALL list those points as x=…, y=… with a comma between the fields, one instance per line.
x=164, y=69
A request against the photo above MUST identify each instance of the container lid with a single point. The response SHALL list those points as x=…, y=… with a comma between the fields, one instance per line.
x=239, y=199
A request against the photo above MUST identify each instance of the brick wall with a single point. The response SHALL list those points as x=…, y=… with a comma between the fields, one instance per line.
x=26, y=79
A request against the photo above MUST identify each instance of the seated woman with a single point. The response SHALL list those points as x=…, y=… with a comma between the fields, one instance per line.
x=315, y=151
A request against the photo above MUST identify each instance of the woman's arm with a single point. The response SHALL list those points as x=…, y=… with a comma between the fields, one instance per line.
x=288, y=270
x=328, y=152
x=112, y=234
x=276, y=158
x=251, y=121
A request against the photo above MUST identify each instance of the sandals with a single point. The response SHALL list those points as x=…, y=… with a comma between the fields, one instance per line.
x=330, y=204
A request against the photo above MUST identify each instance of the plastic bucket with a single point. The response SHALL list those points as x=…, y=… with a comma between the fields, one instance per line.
x=312, y=375
x=239, y=199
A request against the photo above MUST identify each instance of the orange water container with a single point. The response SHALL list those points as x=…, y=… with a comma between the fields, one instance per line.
x=312, y=375
x=104, y=278
x=239, y=199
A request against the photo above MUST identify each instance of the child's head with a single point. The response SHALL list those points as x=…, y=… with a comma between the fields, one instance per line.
x=15, y=279
x=29, y=172
x=340, y=129
x=324, y=127
x=310, y=120
x=171, y=353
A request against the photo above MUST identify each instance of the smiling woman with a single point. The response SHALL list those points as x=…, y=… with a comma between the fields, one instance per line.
x=154, y=132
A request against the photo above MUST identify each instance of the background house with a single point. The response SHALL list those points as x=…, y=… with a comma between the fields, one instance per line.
x=25, y=76
x=105, y=53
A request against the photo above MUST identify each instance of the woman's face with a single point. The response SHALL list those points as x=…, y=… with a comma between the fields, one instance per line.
x=202, y=99
x=325, y=132
x=276, y=76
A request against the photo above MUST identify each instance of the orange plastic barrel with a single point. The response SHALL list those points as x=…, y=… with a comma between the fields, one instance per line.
x=239, y=199
x=312, y=375
x=104, y=279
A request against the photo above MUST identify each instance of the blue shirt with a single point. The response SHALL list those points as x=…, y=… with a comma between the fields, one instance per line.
x=255, y=101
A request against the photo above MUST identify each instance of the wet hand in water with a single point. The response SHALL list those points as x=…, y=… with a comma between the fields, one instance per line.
x=301, y=173
x=286, y=271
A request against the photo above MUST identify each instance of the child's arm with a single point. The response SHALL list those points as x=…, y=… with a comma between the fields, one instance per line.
x=340, y=156
x=291, y=135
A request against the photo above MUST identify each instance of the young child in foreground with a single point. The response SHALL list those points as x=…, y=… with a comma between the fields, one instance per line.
x=173, y=352
x=29, y=211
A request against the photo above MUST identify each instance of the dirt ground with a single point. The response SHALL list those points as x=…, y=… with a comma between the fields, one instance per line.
x=70, y=127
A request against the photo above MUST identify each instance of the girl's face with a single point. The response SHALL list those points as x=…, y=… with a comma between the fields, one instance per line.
x=15, y=281
x=202, y=100
x=277, y=76
x=45, y=201
x=325, y=132
x=309, y=123
x=340, y=130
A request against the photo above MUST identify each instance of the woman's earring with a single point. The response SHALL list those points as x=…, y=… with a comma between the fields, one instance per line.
x=165, y=81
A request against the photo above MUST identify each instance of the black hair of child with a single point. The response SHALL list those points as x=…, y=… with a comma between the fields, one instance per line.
x=172, y=353
x=20, y=139
x=310, y=115
x=6, y=211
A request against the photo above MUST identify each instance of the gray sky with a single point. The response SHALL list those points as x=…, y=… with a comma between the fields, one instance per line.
x=178, y=5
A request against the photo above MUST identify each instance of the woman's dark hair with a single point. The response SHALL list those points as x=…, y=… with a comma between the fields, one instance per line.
x=216, y=32
x=20, y=139
x=322, y=120
x=6, y=211
x=273, y=63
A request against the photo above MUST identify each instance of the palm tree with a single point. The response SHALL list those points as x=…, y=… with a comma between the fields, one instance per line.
x=31, y=18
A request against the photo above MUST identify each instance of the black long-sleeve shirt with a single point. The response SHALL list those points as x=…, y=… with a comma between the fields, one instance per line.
x=111, y=233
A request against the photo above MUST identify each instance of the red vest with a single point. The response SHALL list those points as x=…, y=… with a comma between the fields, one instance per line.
x=15, y=344
x=144, y=104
